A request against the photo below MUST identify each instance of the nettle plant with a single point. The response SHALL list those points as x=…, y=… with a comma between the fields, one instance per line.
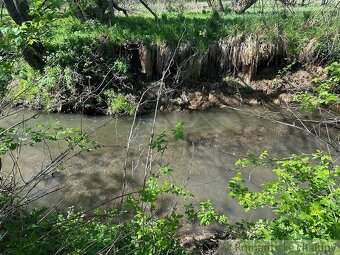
x=305, y=198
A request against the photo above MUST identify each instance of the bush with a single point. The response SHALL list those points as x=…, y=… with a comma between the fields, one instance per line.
x=324, y=92
x=50, y=90
x=305, y=198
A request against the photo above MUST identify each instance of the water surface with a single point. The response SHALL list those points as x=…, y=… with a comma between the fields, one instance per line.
x=204, y=162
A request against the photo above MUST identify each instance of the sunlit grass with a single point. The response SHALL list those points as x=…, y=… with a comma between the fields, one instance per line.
x=201, y=28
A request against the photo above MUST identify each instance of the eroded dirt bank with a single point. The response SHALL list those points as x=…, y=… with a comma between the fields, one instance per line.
x=264, y=89
x=231, y=71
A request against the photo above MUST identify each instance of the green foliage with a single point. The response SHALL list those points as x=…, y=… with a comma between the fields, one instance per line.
x=5, y=74
x=207, y=214
x=14, y=38
x=160, y=143
x=327, y=49
x=252, y=160
x=278, y=78
x=152, y=234
x=118, y=104
x=9, y=40
x=201, y=29
x=13, y=138
x=29, y=32
x=48, y=90
x=178, y=131
x=324, y=92
x=120, y=66
x=305, y=198
x=84, y=47
x=165, y=170
x=69, y=233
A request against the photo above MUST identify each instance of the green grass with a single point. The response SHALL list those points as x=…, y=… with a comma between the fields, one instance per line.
x=202, y=28
x=180, y=6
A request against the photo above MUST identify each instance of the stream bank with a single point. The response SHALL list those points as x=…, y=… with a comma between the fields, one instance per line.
x=279, y=90
x=114, y=79
x=267, y=87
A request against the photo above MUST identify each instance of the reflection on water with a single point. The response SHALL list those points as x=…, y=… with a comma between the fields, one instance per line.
x=204, y=161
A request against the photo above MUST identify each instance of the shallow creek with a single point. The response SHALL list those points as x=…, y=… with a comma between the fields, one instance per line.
x=204, y=162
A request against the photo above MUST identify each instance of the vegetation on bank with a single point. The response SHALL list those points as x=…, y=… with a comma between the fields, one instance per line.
x=85, y=58
x=201, y=29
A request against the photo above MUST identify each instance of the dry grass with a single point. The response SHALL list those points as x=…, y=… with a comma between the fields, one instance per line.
x=238, y=54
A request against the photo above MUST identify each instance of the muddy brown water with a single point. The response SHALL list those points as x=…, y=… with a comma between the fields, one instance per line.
x=204, y=162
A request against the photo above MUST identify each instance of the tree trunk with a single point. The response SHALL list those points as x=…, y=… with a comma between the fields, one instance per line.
x=34, y=55
x=19, y=12
x=2, y=8
x=111, y=10
x=240, y=6
x=118, y=8
x=220, y=5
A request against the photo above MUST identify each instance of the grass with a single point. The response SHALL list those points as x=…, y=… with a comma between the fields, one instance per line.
x=201, y=28
x=179, y=6
x=299, y=25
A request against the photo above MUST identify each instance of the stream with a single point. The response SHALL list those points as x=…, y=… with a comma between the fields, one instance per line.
x=204, y=162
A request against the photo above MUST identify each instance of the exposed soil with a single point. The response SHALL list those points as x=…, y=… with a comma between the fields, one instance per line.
x=204, y=244
x=235, y=91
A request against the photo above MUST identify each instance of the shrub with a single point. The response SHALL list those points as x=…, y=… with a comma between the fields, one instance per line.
x=324, y=92
x=305, y=198
x=49, y=90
